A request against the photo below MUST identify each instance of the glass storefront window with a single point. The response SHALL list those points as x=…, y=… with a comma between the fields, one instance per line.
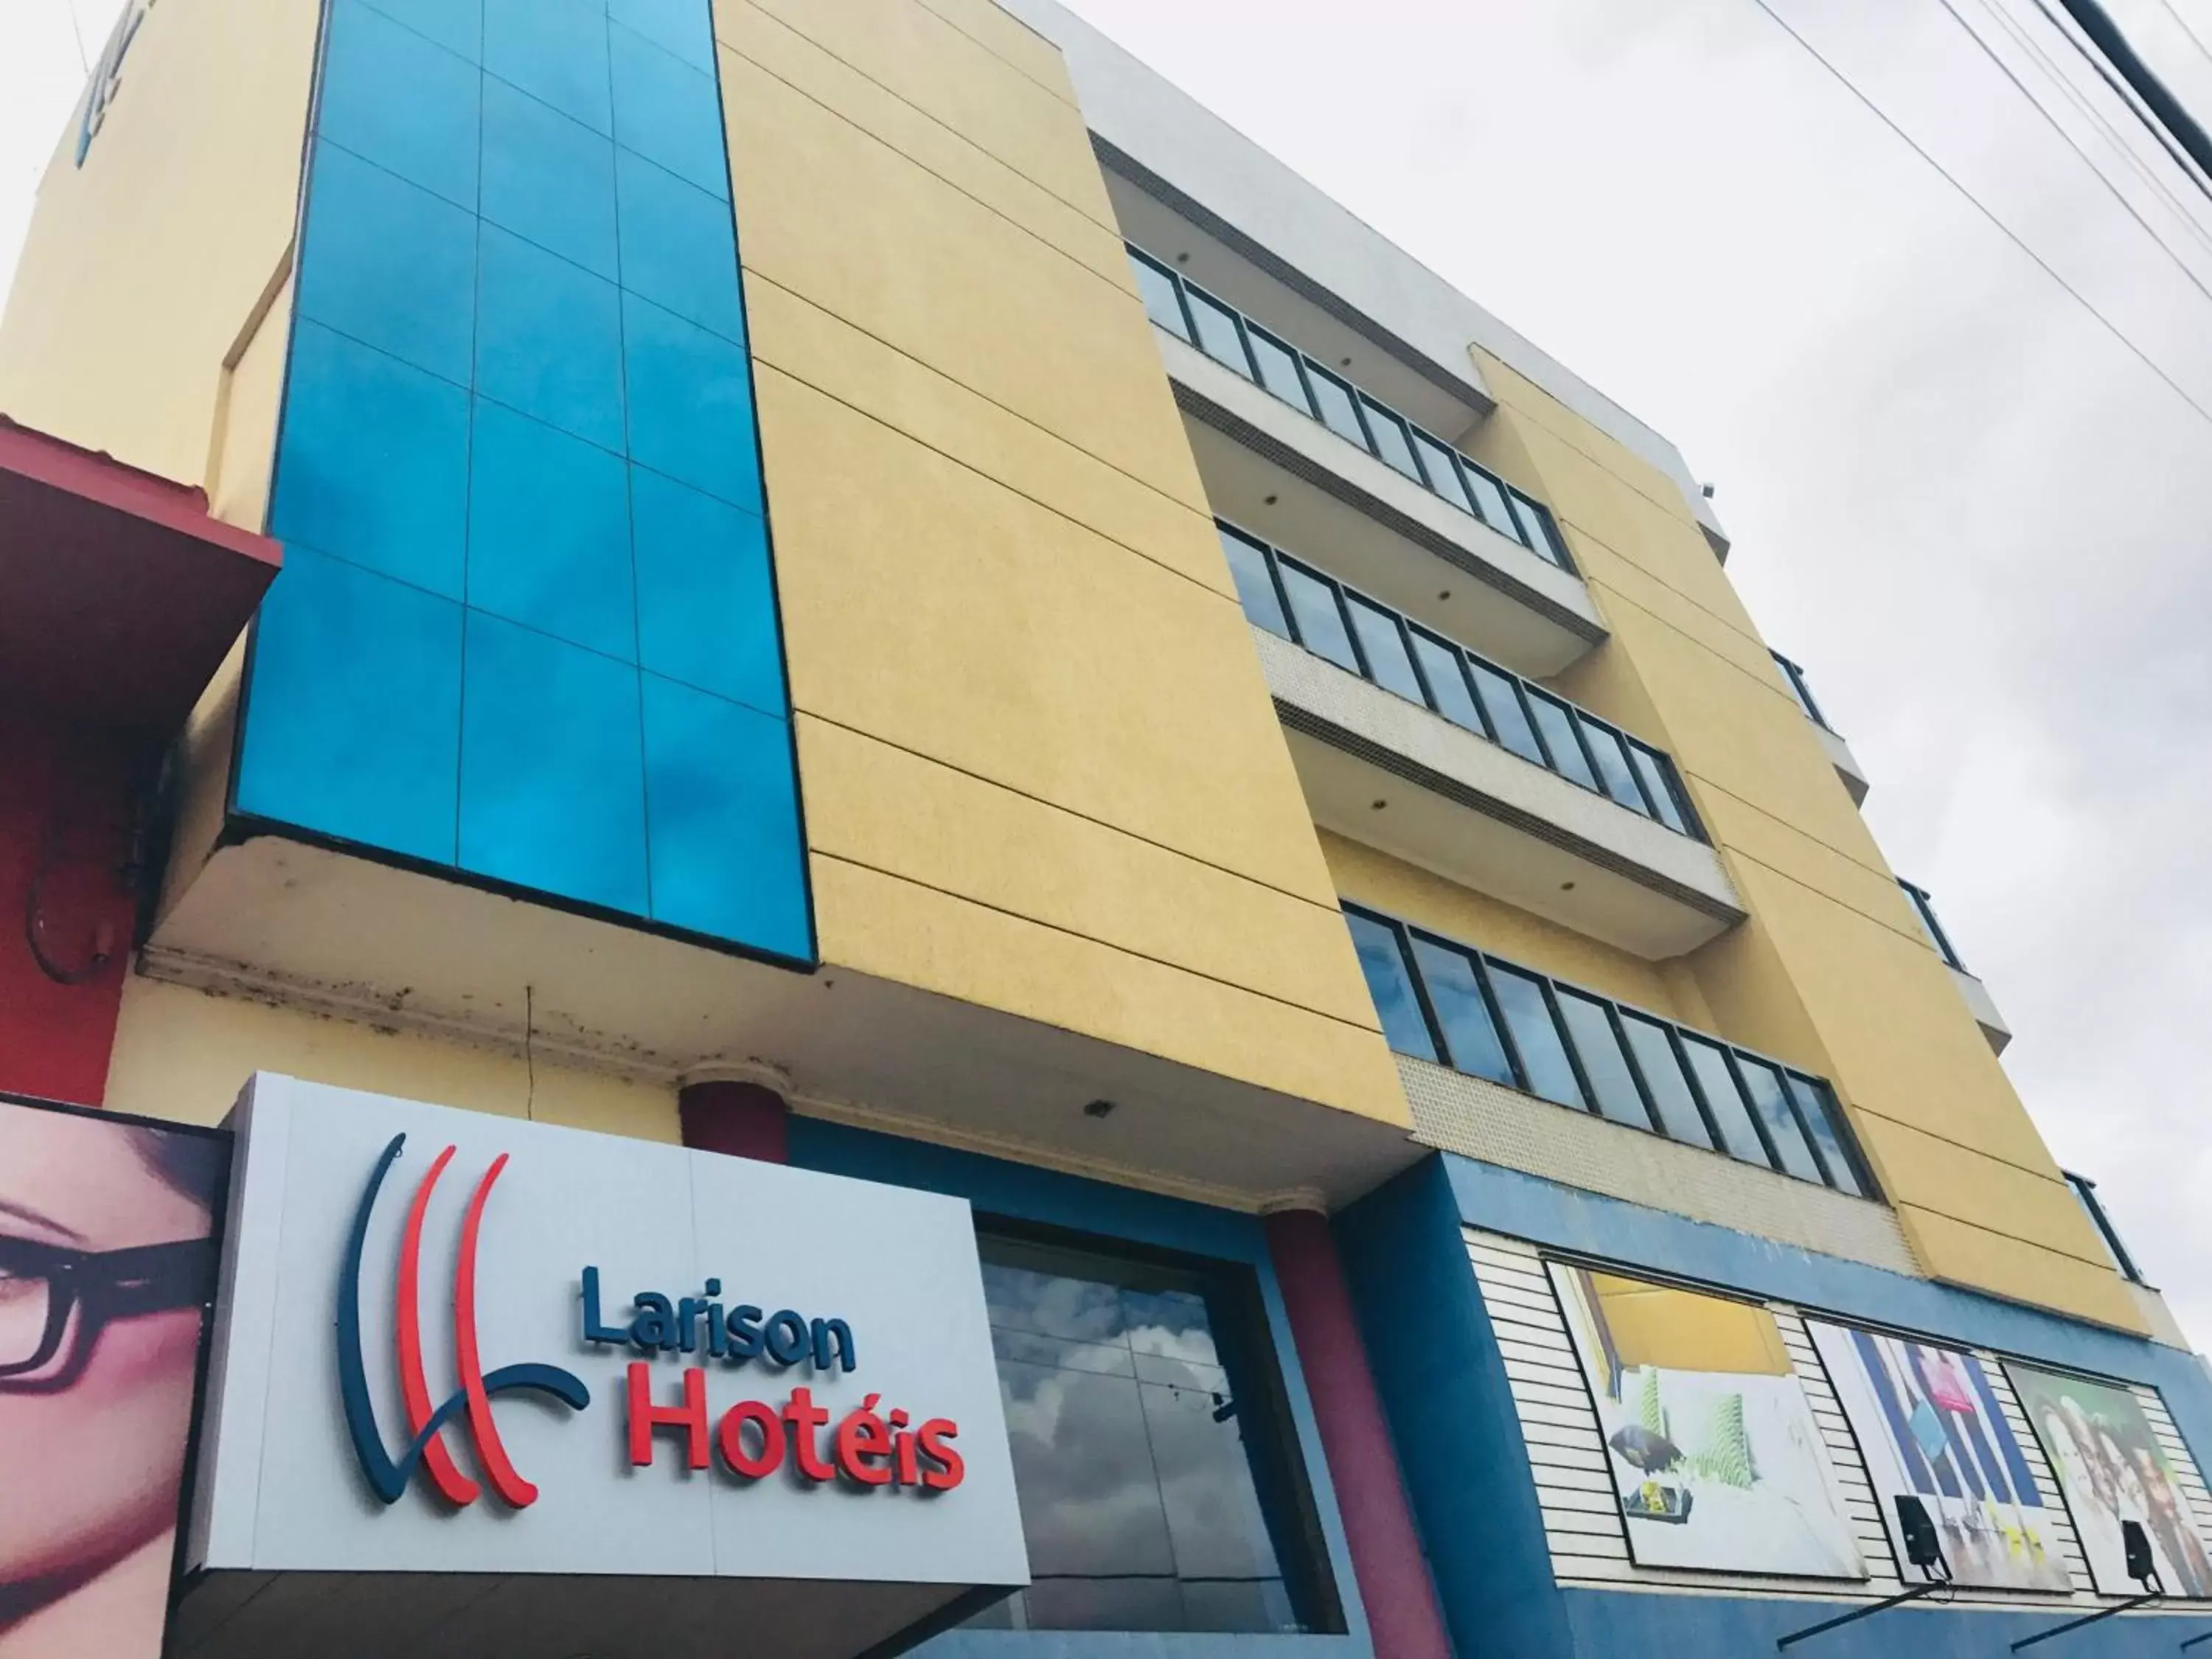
x=1141, y=1410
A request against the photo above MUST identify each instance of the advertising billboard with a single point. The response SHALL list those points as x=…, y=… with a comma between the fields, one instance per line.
x=525, y=1388
x=107, y=1256
x=1716, y=1460
x=1930, y=1427
x=2110, y=1467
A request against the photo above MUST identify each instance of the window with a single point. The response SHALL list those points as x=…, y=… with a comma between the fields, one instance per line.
x=1925, y=907
x=1716, y=1081
x=1539, y=532
x=1442, y=471
x=1590, y=1023
x=1227, y=335
x=1159, y=1483
x=1163, y=301
x=1392, y=441
x=1463, y=1014
x=1794, y=678
x=1509, y=716
x=2086, y=1190
x=1607, y=749
x=1441, y=1001
x=1220, y=334
x=1490, y=501
x=1340, y=409
x=1255, y=582
x=1279, y=368
x=1388, y=664
x=1313, y=612
x=1557, y=722
x=1448, y=692
x=1658, y=775
x=1382, y=959
x=1528, y=1011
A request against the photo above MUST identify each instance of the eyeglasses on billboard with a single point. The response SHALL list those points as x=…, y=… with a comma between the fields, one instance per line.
x=55, y=1302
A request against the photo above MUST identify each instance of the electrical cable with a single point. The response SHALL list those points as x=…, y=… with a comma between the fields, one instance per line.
x=2127, y=95
x=2021, y=86
x=2187, y=28
x=2026, y=41
x=1976, y=203
x=76, y=28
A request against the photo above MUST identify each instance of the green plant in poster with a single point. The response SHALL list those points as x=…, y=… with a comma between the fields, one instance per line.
x=1650, y=1413
x=1726, y=1456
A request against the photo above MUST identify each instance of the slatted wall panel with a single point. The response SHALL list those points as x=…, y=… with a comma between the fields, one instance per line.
x=2062, y=1521
x=1860, y=1502
x=2187, y=1474
x=1582, y=1518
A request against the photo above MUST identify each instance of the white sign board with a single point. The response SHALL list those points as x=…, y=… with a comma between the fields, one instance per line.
x=524, y=1363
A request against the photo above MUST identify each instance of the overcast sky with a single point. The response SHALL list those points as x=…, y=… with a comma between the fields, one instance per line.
x=1983, y=525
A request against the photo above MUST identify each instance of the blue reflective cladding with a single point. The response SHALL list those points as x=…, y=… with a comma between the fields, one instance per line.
x=528, y=627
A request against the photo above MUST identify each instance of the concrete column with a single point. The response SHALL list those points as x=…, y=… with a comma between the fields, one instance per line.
x=738, y=1118
x=1378, y=1523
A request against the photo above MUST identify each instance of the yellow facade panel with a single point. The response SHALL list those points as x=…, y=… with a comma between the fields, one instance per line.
x=1365, y=876
x=1783, y=847
x=836, y=215
x=183, y=1055
x=1968, y=1187
x=811, y=346
x=906, y=815
x=148, y=261
x=1984, y=1261
x=1006, y=37
x=914, y=935
x=934, y=608
x=912, y=77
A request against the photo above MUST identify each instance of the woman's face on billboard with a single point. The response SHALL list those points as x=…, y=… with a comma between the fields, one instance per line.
x=91, y=1468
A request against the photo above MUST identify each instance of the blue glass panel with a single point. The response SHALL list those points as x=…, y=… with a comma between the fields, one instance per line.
x=1470, y=1033
x=457, y=24
x=722, y=802
x=391, y=264
x=404, y=103
x=706, y=602
x=552, y=767
x=553, y=49
x=1255, y=584
x=353, y=718
x=678, y=247
x=682, y=27
x=549, y=532
x=668, y=112
x=1536, y=1035
x=690, y=404
x=549, y=340
x=549, y=180
x=375, y=461
x=1390, y=983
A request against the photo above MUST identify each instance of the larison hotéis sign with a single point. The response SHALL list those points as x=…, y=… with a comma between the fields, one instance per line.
x=552, y=1379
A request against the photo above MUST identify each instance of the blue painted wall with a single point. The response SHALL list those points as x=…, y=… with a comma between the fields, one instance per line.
x=1443, y=1386
x=527, y=628
x=1021, y=1192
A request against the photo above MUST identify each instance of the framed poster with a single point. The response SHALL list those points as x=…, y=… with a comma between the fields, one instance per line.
x=1716, y=1460
x=2110, y=1469
x=1929, y=1427
x=108, y=1247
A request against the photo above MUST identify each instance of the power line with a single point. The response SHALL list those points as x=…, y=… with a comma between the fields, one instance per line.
x=2022, y=37
x=77, y=29
x=2118, y=195
x=1975, y=201
x=2187, y=28
x=2126, y=95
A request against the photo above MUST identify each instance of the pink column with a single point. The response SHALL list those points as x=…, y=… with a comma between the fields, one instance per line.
x=742, y=1120
x=1362, y=1465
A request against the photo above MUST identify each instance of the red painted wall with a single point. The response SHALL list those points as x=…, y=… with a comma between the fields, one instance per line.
x=64, y=808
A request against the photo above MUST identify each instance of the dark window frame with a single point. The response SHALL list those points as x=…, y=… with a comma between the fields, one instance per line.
x=1924, y=906
x=2086, y=1190
x=1733, y=1058
x=1805, y=700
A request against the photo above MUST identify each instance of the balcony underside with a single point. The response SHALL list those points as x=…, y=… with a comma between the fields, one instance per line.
x=1480, y=816
x=336, y=934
